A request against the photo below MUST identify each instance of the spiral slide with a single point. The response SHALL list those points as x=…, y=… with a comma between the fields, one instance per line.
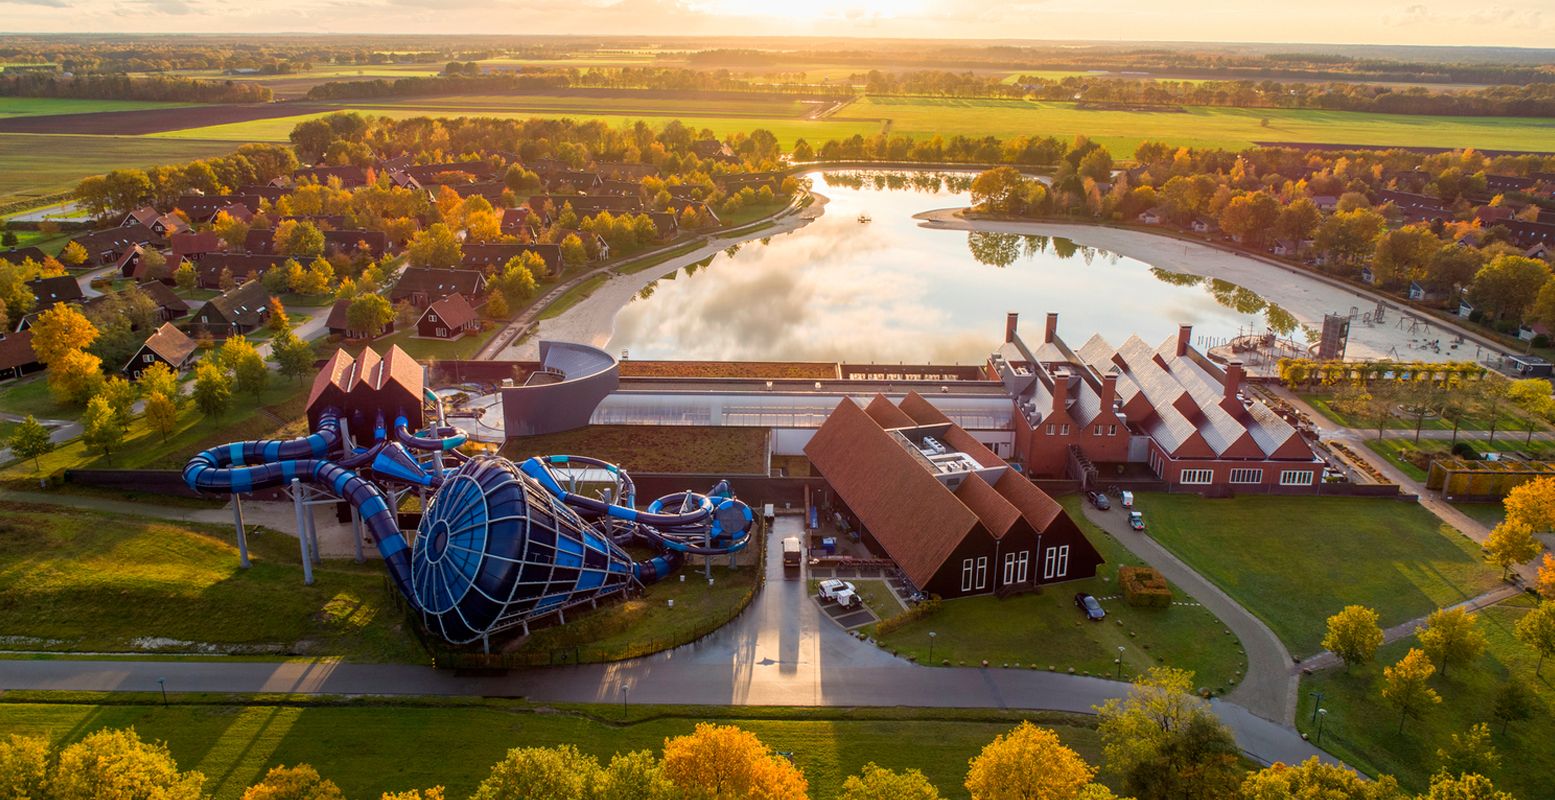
x=499, y=544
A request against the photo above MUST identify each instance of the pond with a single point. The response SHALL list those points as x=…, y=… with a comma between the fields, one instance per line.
x=865, y=282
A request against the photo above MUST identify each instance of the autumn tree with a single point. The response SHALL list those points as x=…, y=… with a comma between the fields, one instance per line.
x=158, y=378
x=293, y=357
x=1545, y=581
x=278, y=320
x=24, y=766
x=1315, y=780
x=1250, y=217
x=998, y=190
x=1532, y=397
x=1406, y=685
x=1511, y=543
x=436, y=246
x=574, y=254
x=101, y=427
x=1353, y=635
x=73, y=255
x=1402, y=254
x=298, y=239
x=184, y=277
x=120, y=396
x=75, y=377
x=1298, y=221
x=1532, y=504
x=60, y=329
x=1506, y=287
x=1537, y=630
x=637, y=775
x=154, y=266
x=248, y=368
x=301, y=782
x=496, y=306
x=1028, y=763
x=1514, y=703
x=541, y=773
x=878, y=783
x=1451, y=634
x=721, y=761
x=369, y=314
x=1349, y=236
x=161, y=413
x=31, y=440
x=1445, y=786
x=117, y=765
x=1163, y=741
x=212, y=388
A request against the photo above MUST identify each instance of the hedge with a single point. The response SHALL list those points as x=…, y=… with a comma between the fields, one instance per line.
x=1144, y=586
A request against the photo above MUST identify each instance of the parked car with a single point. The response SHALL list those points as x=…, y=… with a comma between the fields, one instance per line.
x=1099, y=500
x=1090, y=605
x=1136, y=520
x=1127, y=499
x=840, y=592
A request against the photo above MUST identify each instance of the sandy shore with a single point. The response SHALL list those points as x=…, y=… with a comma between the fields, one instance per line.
x=1401, y=336
x=592, y=321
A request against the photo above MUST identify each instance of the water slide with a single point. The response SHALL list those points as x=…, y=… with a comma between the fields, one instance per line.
x=499, y=544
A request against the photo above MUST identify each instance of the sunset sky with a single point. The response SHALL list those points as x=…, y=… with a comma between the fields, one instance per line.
x=1525, y=23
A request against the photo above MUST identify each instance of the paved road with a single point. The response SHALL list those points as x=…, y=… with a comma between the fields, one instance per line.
x=1269, y=689
x=781, y=651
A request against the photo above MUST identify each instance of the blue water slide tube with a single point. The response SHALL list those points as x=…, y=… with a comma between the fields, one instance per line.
x=443, y=441
x=276, y=462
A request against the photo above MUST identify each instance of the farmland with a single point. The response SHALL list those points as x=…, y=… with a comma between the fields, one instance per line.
x=33, y=165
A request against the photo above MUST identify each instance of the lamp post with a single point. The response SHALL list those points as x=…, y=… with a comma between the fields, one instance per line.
x=162, y=683
x=1322, y=717
x=1318, y=696
x=624, y=688
x=932, y=634
x=1120, y=662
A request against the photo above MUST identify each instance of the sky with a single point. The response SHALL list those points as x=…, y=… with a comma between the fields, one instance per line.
x=1520, y=23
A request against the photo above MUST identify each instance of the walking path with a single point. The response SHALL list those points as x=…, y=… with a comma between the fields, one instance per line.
x=781, y=651
x=1269, y=688
x=1327, y=660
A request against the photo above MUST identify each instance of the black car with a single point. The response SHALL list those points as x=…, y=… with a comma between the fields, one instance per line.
x=1099, y=500
x=1091, y=607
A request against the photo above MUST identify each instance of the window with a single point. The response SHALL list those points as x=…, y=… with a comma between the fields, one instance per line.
x=1050, y=429
x=982, y=572
x=148, y=358
x=1197, y=476
x=1296, y=477
x=1063, y=561
x=442, y=331
x=1022, y=562
x=1246, y=475
x=1009, y=568
x=1112, y=430
x=1063, y=430
x=1049, y=561
x=431, y=318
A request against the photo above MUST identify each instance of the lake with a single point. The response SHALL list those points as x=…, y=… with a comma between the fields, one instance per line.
x=885, y=289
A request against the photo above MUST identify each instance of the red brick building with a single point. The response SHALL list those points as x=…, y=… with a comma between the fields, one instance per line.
x=1168, y=407
x=954, y=517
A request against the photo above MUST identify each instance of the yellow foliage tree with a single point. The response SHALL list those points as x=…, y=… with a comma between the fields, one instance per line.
x=1533, y=504
x=75, y=376
x=117, y=765
x=1406, y=685
x=723, y=762
x=60, y=329
x=1314, y=779
x=1511, y=543
x=24, y=763
x=1353, y=635
x=1546, y=580
x=1028, y=763
x=301, y=782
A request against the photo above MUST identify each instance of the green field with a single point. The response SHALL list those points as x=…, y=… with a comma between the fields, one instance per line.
x=368, y=749
x=47, y=106
x=1046, y=630
x=77, y=581
x=1295, y=561
x=33, y=165
x=1363, y=731
x=757, y=105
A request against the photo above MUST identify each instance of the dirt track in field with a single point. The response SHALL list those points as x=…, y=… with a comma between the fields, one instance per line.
x=153, y=120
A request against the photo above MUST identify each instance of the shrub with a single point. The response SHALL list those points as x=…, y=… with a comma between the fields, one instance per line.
x=1541, y=340
x=1465, y=450
x=1144, y=587
x=913, y=614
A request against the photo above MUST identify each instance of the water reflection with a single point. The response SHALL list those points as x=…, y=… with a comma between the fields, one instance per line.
x=886, y=289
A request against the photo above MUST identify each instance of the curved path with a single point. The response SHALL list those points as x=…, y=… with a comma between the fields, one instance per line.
x=782, y=651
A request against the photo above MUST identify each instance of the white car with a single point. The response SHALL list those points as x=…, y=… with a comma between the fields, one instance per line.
x=839, y=592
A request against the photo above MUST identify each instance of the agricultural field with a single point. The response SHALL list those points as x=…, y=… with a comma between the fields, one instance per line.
x=47, y=106
x=36, y=165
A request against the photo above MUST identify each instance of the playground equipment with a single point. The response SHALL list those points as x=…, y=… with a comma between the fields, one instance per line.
x=499, y=544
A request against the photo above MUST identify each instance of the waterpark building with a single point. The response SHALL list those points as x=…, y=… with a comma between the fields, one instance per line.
x=957, y=519
x=1092, y=412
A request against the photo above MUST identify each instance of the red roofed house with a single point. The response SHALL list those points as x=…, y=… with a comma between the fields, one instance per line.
x=368, y=387
x=16, y=356
x=195, y=246
x=955, y=518
x=168, y=345
x=338, y=323
x=449, y=318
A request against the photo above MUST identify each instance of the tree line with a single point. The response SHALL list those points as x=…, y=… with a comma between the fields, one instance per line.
x=123, y=87
x=1160, y=742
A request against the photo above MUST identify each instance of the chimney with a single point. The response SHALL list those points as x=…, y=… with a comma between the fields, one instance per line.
x=1109, y=390
x=1060, y=389
x=1184, y=338
x=1010, y=321
x=1233, y=379
x=1051, y=331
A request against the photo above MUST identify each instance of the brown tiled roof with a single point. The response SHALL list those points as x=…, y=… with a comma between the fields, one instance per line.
x=244, y=305
x=453, y=310
x=185, y=244
x=53, y=290
x=336, y=321
x=398, y=367
x=20, y=254
x=996, y=512
x=437, y=283
x=1035, y=505
x=164, y=296
x=16, y=350
x=910, y=513
x=329, y=385
x=886, y=414
x=170, y=344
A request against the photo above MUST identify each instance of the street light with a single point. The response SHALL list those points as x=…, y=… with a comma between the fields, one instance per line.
x=624, y=687
x=1322, y=717
x=1120, y=662
x=162, y=682
x=1317, y=705
x=932, y=634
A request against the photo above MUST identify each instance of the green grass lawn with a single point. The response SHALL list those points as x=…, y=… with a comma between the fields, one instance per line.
x=367, y=750
x=878, y=597
x=1047, y=630
x=574, y=296
x=1295, y=561
x=433, y=349
x=33, y=165
x=80, y=581
x=1363, y=731
x=648, y=624
x=1512, y=425
x=1413, y=457
x=719, y=450
x=1487, y=514
x=30, y=395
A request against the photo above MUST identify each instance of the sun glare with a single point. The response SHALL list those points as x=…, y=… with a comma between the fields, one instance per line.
x=802, y=10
